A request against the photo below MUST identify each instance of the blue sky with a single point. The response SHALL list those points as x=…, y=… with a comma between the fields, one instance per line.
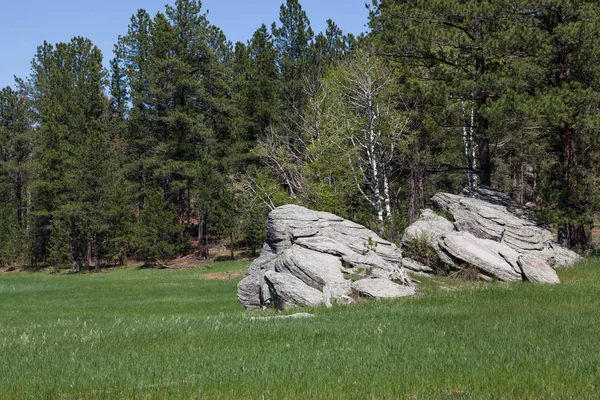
x=25, y=24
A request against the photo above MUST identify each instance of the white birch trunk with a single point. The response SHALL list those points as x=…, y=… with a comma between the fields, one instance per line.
x=469, y=147
x=472, y=141
x=386, y=193
x=371, y=153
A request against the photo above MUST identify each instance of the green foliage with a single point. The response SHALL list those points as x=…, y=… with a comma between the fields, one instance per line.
x=157, y=235
x=370, y=245
x=175, y=69
x=116, y=241
x=60, y=252
x=420, y=248
x=365, y=128
x=257, y=83
x=530, y=80
x=11, y=236
x=71, y=153
x=293, y=38
x=253, y=217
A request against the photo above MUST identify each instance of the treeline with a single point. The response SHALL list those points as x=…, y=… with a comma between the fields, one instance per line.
x=189, y=136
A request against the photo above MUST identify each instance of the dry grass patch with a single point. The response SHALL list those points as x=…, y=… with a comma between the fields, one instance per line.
x=223, y=276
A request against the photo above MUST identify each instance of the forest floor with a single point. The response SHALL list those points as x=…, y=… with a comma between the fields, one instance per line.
x=181, y=333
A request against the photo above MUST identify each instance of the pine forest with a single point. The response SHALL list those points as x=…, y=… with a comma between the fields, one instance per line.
x=188, y=139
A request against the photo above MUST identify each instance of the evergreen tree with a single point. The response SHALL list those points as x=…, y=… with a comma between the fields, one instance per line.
x=15, y=148
x=156, y=236
x=182, y=119
x=467, y=46
x=257, y=73
x=11, y=236
x=60, y=248
x=129, y=89
x=329, y=47
x=71, y=154
x=293, y=40
x=567, y=104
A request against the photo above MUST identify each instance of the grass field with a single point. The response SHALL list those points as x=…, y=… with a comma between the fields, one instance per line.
x=141, y=334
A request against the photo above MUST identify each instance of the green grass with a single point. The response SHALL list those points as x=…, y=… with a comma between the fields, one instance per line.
x=176, y=334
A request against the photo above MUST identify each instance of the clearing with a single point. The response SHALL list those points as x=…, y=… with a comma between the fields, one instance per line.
x=146, y=333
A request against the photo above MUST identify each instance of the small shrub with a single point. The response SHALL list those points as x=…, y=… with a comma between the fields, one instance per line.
x=420, y=248
x=444, y=214
x=371, y=245
x=467, y=273
x=352, y=277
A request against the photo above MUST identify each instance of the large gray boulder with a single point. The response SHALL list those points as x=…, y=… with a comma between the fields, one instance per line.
x=537, y=270
x=505, y=223
x=313, y=268
x=317, y=251
x=493, y=196
x=382, y=289
x=491, y=258
x=487, y=230
x=253, y=291
x=290, y=291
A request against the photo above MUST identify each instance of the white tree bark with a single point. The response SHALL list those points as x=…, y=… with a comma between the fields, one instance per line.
x=469, y=147
x=372, y=155
x=473, y=150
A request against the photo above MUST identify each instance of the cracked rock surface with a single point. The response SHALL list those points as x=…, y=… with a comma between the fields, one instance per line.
x=313, y=257
x=486, y=230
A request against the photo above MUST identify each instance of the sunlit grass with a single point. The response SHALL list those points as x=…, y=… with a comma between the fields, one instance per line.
x=182, y=334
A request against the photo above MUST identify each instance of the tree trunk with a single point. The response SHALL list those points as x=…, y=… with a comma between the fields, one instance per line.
x=521, y=184
x=469, y=146
x=19, y=197
x=200, y=226
x=232, y=246
x=180, y=207
x=421, y=188
x=372, y=156
x=189, y=204
x=574, y=236
x=96, y=253
x=485, y=172
x=388, y=199
x=88, y=256
x=411, y=196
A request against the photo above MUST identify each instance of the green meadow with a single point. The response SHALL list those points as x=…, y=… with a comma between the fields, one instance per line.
x=145, y=334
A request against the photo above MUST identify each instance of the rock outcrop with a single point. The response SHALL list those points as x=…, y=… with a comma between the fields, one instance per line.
x=488, y=231
x=425, y=233
x=313, y=258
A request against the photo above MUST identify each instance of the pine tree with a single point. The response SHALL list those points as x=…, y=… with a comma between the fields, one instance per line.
x=129, y=88
x=293, y=40
x=329, y=47
x=467, y=46
x=60, y=248
x=156, y=236
x=15, y=148
x=254, y=94
x=11, y=236
x=180, y=122
x=567, y=104
x=72, y=154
